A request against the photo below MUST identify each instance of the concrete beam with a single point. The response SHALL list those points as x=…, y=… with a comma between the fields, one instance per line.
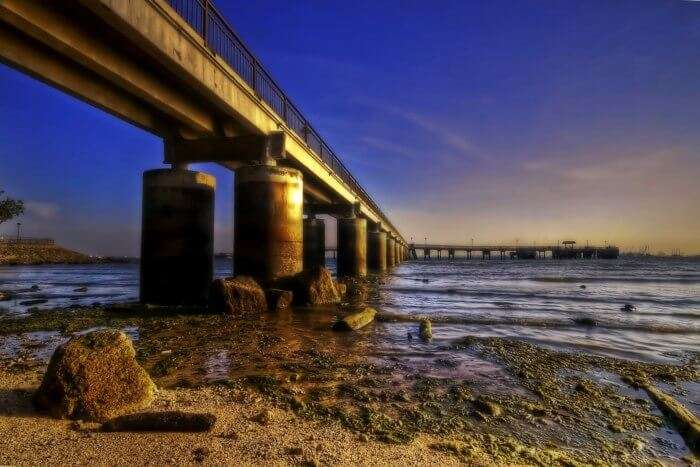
x=48, y=23
x=246, y=148
x=333, y=209
x=33, y=58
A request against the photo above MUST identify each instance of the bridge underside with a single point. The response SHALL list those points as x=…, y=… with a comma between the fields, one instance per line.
x=140, y=61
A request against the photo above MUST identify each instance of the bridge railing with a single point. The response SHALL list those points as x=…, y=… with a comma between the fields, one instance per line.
x=223, y=40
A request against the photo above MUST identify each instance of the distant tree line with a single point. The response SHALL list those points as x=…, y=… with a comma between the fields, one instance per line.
x=10, y=207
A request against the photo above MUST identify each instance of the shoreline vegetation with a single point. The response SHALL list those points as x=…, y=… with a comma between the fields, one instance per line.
x=26, y=254
x=287, y=388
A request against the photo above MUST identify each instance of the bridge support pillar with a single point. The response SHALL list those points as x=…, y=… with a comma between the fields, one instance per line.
x=268, y=224
x=376, y=249
x=314, y=242
x=390, y=251
x=177, y=237
x=352, y=247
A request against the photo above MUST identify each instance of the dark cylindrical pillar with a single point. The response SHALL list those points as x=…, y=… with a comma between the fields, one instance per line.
x=390, y=252
x=376, y=250
x=397, y=252
x=177, y=237
x=352, y=247
x=268, y=230
x=314, y=243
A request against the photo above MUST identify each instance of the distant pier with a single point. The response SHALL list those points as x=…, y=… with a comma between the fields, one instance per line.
x=566, y=250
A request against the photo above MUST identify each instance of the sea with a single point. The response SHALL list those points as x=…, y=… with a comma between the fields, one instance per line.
x=645, y=309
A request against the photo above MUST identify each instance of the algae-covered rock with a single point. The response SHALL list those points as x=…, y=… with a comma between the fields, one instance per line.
x=488, y=407
x=312, y=287
x=426, y=330
x=237, y=296
x=161, y=421
x=94, y=377
x=278, y=299
x=355, y=321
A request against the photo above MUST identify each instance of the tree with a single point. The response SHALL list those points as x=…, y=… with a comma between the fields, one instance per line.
x=10, y=208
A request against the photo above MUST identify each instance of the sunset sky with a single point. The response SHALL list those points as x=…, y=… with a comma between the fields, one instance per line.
x=535, y=120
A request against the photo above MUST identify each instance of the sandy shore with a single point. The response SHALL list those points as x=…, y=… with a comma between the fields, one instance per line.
x=30, y=438
x=331, y=403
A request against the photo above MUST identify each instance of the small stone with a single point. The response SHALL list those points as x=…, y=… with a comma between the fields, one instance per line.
x=426, y=330
x=263, y=417
x=628, y=307
x=488, y=407
x=37, y=301
x=295, y=451
x=582, y=286
x=5, y=296
x=200, y=454
x=81, y=289
x=363, y=438
x=278, y=299
x=34, y=288
x=355, y=321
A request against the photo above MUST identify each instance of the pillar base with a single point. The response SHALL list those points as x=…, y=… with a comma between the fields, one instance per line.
x=376, y=251
x=177, y=237
x=352, y=247
x=268, y=230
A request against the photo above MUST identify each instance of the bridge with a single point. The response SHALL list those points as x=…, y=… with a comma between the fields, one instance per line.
x=178, y=70
x=566, y=250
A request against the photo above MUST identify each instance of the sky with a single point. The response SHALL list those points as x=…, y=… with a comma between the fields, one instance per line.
x=527, y=120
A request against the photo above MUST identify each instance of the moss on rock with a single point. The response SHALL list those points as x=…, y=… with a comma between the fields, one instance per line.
x=94, y=377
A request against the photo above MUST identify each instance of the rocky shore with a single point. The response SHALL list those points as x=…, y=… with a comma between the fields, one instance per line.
x=293, y=373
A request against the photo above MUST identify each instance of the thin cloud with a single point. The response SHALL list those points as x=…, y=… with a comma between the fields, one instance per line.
x=42, y=210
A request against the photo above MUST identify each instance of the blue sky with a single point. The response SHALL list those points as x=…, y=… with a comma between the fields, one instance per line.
x=500, y=120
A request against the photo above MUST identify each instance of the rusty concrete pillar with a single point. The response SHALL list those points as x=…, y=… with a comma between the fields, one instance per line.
x=390, y=251
x=376, y=249
x=397, y=252
x=268, y=223
x=314, y=242
x=177, y=237
x=352, y=247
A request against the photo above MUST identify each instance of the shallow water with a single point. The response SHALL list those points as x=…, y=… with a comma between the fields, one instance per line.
x=541, y=301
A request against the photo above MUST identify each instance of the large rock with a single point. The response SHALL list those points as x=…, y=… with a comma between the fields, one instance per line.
x=95, y=377
x=313, y=287
x=237, y=296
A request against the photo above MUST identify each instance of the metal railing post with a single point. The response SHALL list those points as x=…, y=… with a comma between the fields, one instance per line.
x=205, y=21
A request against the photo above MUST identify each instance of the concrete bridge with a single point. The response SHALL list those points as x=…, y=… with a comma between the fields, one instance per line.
x=176, y=69
x=563, y=251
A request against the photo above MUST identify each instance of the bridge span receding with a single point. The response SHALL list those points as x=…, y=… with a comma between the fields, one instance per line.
x=177, y=69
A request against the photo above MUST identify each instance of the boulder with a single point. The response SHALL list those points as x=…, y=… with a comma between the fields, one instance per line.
x=355, y=321
x=95, y=377
x=237, y=296
x=278, y=299
x=5, y=296
x=313, y=287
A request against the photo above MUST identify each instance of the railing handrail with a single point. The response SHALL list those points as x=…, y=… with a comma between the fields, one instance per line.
x=202, y=15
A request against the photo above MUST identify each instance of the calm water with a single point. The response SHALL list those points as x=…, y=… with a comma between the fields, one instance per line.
x=541, y=301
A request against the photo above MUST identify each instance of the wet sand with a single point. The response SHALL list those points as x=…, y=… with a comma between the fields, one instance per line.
x=502, y=402
x=29, y=438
